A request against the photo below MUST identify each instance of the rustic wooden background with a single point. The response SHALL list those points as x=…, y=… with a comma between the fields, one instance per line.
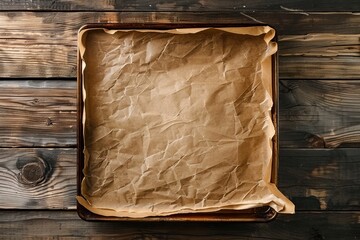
x=319, y=47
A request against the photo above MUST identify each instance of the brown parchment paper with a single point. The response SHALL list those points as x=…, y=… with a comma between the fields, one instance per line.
x=177, y=121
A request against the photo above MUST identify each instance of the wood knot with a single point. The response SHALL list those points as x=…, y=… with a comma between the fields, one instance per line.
x=49, y=122
x=32, y=170
x=35, y=101
x=315, y=141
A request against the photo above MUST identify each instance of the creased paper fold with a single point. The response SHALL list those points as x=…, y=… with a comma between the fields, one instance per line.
x=177, y=121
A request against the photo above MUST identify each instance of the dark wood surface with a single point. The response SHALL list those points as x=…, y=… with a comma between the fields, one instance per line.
x=180, y=5
x=319, y=169
x=314, y=225
x=319, y=113
x=312, y=45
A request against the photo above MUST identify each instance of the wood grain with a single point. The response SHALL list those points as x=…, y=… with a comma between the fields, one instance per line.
x=315, y=45
x=66, y=224
x=319, y=113
x=317, y=179
x=180, y=5
x=317, y=56
x=314, y=179
x=37, y=113
x=313, y=113
x=319, y=67
x=43, y=44
x=317, y=40
x=55, y=190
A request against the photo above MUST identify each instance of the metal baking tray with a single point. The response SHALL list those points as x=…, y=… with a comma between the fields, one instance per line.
x=260, y=214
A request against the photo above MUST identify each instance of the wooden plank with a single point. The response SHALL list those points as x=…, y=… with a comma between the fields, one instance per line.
x=313, y=113
x=315, y=45
x=319, y=113
x=319, y=67
x=37, y=113
x=317, y=179
x=66, y=224
x=38, y=178
x=43, y=44
x=316, y=56
x=180, y=5
x=314, y=179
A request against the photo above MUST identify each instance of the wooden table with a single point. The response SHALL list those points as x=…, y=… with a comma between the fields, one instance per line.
x=319, y=47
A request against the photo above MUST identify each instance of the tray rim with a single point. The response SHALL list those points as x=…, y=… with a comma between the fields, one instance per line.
x=260, y=214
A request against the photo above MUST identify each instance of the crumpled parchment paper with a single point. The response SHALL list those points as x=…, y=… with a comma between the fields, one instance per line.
x=177, y=121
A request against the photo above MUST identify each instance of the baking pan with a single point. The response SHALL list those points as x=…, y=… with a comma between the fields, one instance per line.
x=260, y=214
